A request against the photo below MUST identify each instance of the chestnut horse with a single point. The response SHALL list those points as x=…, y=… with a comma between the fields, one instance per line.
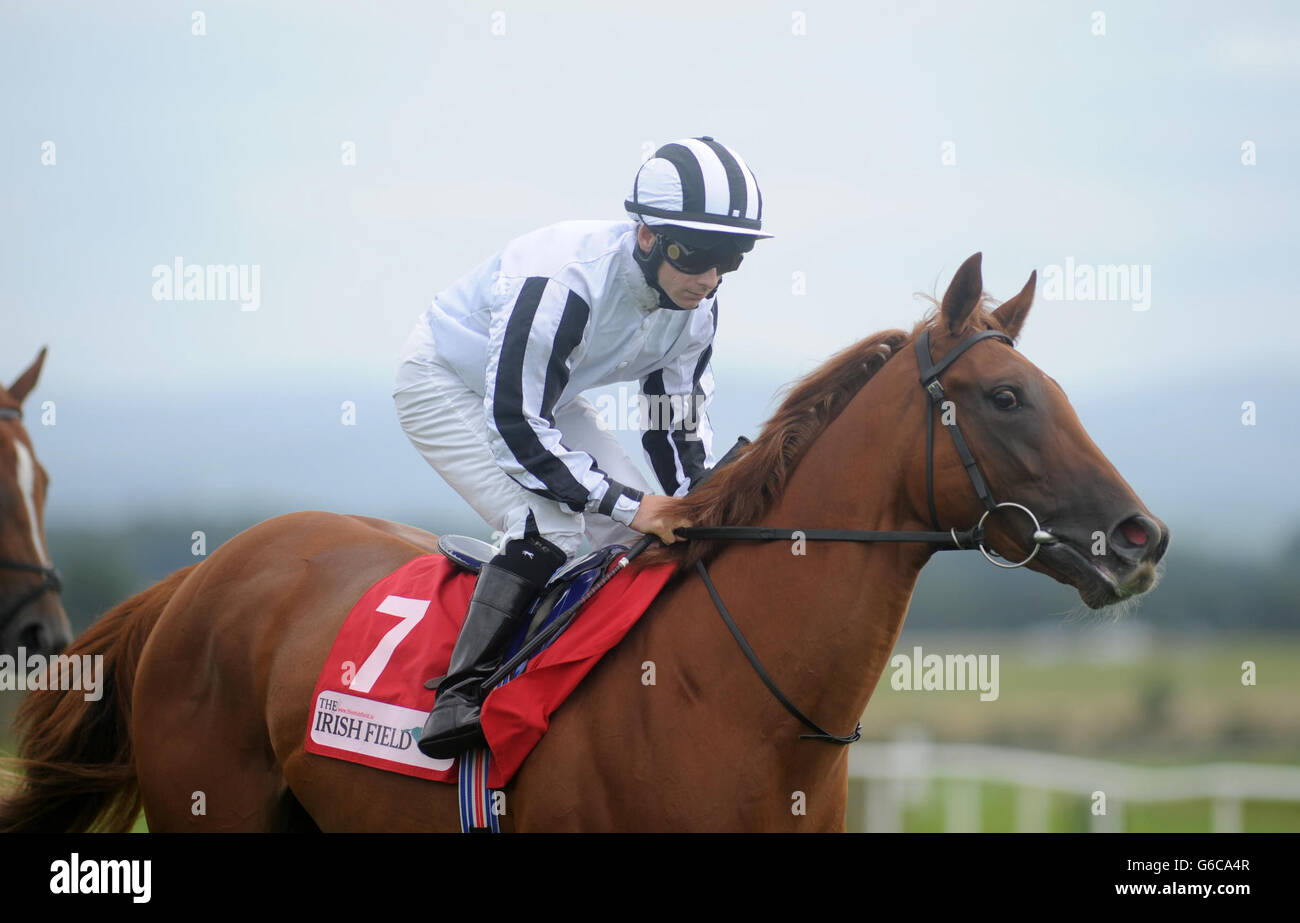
x=214, y=667
x=31, y=614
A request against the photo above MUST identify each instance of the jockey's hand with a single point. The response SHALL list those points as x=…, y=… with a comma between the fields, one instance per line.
x=658, y=515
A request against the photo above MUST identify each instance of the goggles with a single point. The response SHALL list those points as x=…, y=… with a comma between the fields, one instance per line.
x=695, y=261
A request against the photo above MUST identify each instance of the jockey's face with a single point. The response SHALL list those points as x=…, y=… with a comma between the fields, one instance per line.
x=686, y=291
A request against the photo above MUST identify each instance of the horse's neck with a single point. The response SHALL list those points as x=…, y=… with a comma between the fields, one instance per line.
x=825, y=621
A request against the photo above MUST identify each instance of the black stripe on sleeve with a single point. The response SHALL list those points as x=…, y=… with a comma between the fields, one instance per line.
x=655, y=440
x=508, y=398
x=691, y=451
x=659, y=443
x=567, y=337
x=615, y=491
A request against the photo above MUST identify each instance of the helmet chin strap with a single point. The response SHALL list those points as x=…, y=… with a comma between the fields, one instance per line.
x=650, y=263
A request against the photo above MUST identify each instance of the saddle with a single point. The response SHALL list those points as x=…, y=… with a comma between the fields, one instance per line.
x=564, y=591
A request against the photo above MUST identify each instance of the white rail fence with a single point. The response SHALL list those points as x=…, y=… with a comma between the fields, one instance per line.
x=899, y=773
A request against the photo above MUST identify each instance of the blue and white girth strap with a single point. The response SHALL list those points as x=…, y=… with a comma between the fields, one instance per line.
x=480, y=806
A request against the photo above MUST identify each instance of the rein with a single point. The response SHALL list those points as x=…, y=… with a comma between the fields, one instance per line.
x=50, y=577
x=952, y=540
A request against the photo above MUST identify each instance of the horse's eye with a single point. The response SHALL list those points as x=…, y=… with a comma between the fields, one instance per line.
x=1005, y=399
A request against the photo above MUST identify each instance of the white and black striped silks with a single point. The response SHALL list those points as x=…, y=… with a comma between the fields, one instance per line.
x=559, y=311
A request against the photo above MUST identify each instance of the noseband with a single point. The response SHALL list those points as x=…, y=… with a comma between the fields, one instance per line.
x=50, y=581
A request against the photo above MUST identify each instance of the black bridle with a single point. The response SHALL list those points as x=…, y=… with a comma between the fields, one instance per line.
x=969, y=539
x=50, y=581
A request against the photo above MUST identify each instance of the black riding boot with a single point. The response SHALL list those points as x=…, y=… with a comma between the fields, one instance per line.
x=500, y=602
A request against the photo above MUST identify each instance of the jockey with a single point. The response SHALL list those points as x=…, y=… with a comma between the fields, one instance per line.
x=490, y=381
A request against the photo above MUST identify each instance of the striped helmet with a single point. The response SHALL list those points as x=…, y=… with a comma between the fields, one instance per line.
x=700, y=184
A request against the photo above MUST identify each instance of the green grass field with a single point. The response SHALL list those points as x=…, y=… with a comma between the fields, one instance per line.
x=1157, y=703
x=1176, y=702
x=1071, y=814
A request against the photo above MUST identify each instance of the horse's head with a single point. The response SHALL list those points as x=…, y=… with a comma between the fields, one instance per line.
x=1025, y=446
x=31, y=615
x=1032, y=450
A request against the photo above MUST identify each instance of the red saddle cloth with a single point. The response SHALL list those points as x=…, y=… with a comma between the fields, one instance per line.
x=370, y=703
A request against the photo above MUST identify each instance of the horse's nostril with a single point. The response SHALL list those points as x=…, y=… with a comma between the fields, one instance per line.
x=1134, y=533
x=1139, y=538
x=32, y=637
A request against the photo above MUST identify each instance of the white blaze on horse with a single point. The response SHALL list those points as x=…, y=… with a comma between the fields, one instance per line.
x=31, y=615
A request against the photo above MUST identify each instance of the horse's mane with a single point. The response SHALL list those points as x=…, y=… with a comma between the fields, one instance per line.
x=741, y=491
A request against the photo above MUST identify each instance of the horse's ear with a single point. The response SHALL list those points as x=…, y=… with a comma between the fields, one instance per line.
x=27, y=380
x=963, y=294
x=1012, y=313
